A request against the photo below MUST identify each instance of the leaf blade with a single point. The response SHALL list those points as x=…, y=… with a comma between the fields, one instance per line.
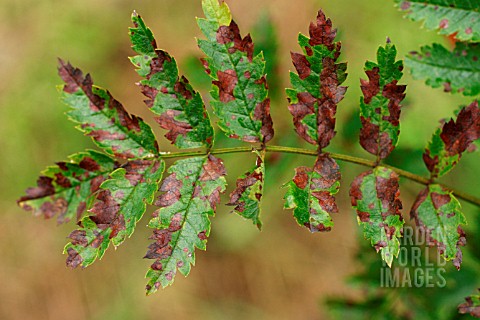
x=181, y=224
x=249, y=192
x=375, y=196
x=311, y=194
x=66, y=190
x=471, y=306
x=447, y=17
x=316, y=86
x=239, y=92
x=179, y=107
x=380, y=105
x=437, y=213
x=103, y=118
x=121, y=204
x=457, y=71
x=455, y=137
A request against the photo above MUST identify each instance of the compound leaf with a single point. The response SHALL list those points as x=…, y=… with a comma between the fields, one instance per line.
x=311, y=194
x=121, y=204
x=471, y=306
x=449, y=142
x=459, y=17
x=180, y=109
x=104, y=118
x=437, y=213
x=249, y=191
x=375, y=195
x=316, y=88
x=190, y=195
x=65, y=190
x=240, y=96
x=455, y=71
x=380, y=104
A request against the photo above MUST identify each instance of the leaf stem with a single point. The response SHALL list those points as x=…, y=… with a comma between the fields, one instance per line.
x=338, y=156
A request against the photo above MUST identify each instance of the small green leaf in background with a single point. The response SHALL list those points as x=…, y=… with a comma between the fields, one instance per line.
x=103, y=118
x=316, y=88
x=380, y=104
x=471, y=306
x=240, y=95
x=65, y=190
x=375, y=195
x=454, y=138
x=455, y=71
x=459, y=17
x=121, y=204
x=311, y=194
x=180, y=109
x=437, y=213
x=249, y=191
x=190, y=195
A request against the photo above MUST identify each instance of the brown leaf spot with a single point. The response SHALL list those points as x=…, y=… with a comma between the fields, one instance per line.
x=171, y=187
x=301, y=65
x=405, y=5
x=443, y=24
x=322, y=32
x=469, y=30
x=231, y=33
x=439, y=200
x=388, y=192
x=44, y=188
x=89, y=164
x=202, y=235
x=460, y=134
x=242, y=185
x=62, y=181
x=262, y=113
x=363, y=216
x=304, y=107
x=301, y=178
x=469, y=307
x=371, y=87
x=447, y=87
x=175, y=128
x=212, y=169
x=227, y=81
x=73, y=259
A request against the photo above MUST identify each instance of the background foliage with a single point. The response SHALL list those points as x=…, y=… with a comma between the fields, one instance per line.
x=243, y=268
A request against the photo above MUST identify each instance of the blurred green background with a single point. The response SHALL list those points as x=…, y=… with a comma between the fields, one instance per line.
x=282, y=272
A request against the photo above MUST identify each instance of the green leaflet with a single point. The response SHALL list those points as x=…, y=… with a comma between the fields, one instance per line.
x=121, y=204
x=103, y=118
x=459, y=17
x=375, y=196
x=380, y=104
x=249, y=191
x=311, y=194
x=240, y=91
x=65, y=190
x=180, y=108
x=441, y=162
x=190, y=195
x=316, y=88
x=455, y=71
x=455, y=137
x=438, y=214
x=471, y=306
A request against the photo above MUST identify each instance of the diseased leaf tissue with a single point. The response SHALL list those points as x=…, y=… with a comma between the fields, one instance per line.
x=106, y=193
